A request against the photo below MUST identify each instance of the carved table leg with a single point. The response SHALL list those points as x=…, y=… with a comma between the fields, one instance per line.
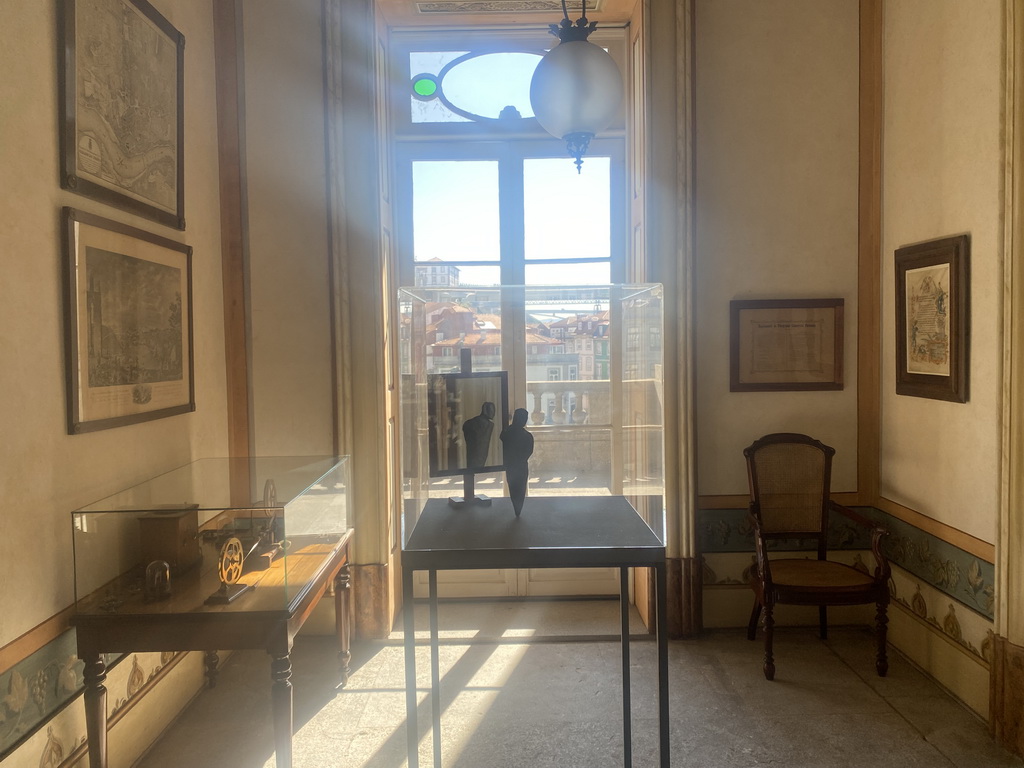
x=881, y=622
x=281, y=703
x=212, y=661
x=342, y=625
x=769, y=628
x=95, y=697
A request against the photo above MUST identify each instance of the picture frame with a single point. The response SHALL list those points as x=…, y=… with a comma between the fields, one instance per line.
x=781, y=345
x=933, y=319
x=122, y=129
x=457, y=405
x=128, y=324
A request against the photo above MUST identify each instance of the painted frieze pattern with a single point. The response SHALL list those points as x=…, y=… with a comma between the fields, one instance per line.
x=961, y=575
x=40, y=687
x=951, y=590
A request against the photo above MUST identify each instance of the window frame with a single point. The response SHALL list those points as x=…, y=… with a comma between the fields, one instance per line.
x=510, y=155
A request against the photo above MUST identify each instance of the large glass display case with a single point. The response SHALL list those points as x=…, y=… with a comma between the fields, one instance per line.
x=585, y=362
x=235, y=534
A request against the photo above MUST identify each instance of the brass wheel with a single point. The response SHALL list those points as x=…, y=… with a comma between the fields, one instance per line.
x=229, y=568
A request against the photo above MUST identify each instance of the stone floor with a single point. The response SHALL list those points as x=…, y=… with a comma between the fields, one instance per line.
x=538, y=684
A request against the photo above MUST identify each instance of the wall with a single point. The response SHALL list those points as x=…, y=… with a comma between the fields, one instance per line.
x=288, y=280
x=45, y=472
x=776, y=211
x=942, y=175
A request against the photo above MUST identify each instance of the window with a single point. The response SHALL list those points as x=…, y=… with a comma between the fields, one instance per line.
x=482, y=189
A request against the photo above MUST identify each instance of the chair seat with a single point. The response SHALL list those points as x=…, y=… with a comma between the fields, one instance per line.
x=818, y=574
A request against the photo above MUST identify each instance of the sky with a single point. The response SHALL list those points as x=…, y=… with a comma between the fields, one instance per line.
x=456, y=202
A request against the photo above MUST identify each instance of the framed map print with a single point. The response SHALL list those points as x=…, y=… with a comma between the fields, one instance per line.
x=122, y=132
x=933, y=319
x=128, y=324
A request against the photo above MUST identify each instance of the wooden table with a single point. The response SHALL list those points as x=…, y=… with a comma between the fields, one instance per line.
x=268, y=617
x=552, y=532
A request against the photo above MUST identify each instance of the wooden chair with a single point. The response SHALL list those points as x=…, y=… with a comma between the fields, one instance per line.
x=789, y=499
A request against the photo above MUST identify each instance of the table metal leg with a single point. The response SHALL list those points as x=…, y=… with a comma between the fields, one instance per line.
x=661, y=622
x=627, y=720
x=95, y=697
x=435, y=670
x=409, y=631
x=281, y=704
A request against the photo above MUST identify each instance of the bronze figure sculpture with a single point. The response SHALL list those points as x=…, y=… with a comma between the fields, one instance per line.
x=517, y=447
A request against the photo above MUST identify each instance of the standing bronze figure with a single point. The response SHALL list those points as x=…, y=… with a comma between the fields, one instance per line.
x=517, y=447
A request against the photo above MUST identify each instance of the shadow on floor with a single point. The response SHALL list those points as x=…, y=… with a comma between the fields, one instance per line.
x=520, y=688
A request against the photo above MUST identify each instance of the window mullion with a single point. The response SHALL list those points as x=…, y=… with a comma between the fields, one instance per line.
x=512, y=214
x=513, y=271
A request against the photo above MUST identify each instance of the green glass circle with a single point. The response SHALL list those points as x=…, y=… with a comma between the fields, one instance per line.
x=424, y=87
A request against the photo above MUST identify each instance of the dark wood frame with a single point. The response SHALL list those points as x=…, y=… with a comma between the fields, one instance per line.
x=500, y=379
x=70, y=177
x=736, y=378
x=955, y=253
x=76, y=359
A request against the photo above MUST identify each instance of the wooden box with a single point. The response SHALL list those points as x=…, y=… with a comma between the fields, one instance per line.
x=172, y=537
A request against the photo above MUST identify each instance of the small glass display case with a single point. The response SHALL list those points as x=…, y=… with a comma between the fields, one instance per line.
x=247, y=534
x=582, y=367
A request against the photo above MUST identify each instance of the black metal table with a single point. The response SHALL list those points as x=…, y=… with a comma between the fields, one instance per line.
x=553, y=532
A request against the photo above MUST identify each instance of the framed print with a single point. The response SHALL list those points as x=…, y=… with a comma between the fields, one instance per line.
x=785, y=344
x=128, y=324
x=466, y=412
x=932, y=319
x=122, y=90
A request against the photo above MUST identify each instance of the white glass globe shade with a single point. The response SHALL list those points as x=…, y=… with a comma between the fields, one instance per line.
x=576, y=88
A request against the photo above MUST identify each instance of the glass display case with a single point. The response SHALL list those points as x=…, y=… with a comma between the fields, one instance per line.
x=241, y=534
x=583, y=362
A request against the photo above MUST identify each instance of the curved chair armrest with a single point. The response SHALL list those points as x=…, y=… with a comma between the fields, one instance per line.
x=760, y=546
x=882, y=570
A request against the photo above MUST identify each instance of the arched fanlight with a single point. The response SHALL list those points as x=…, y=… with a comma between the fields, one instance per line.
x=576, y=89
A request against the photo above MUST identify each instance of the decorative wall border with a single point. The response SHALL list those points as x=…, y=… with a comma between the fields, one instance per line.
x=45, y=683
x=961, y=575
x=38, y=687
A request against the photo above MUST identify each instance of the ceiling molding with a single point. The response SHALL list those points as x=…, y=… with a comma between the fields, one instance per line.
x=496, y=6
x=455, y=14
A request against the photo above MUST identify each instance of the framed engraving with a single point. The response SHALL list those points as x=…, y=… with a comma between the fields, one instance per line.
x=122, y=90
x=933, y=319
x=128, y=324
x=785, y=344
x=467, y=412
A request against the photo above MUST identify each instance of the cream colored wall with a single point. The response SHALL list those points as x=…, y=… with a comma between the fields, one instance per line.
x=776, y=211
x=284, y=147
x=44, y=472
x=942, y=174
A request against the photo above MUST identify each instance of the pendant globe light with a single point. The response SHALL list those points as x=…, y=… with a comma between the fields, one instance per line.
x=576, y=89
